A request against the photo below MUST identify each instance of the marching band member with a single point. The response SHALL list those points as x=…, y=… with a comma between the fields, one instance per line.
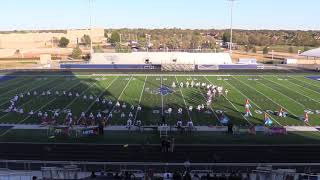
x=31, y=112
x=129, y=123
x=199, y=108
x=83, y=115
x=124, y=106
x=56, y=114
x=190, y=124
x=97, y=100
x=214, y=91
x=70, y=94
x=91, y=97
x=130, y=115
x=45, y=115
x=267, y=120
x=35, y=93
x=306, y=117
x=187, y=84
x=118, y=104
x=181, y=84
x=138, y=123
x=174, y=85
x=64, y=93
x=122, y=115
x=77, y=95
x=57, y=93
x=84, y=96
x=190, y=108
x=132, y=107
x=281, y=113
x=110, y=115
x=180, y=111
x=103, y=101
x=99, y=115
x=139, y=108
x=179, y=124
x=226, y=92
x=169, y=110
x=48, y=92
x=39, y=114
x=192, y=83
x=91, y=116
x=247, y=107
x=28, y=93
x=43, y=93
x=20, y=111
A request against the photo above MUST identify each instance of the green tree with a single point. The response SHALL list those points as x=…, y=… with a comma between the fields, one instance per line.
x=115, y=37
x=76, y=53
x=63, y=42
x=226, y=37
x=290, y=49
x=305, y=48
x=254, y=50
x=86, y=40
x=265, y=50
x=98, y=49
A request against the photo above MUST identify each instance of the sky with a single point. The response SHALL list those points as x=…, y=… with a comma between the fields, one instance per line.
x=185, y=14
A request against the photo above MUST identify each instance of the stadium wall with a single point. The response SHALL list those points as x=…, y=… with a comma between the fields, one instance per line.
x=157, y=60
x=161, y=58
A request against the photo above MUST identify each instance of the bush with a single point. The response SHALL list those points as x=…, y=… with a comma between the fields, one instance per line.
x=76, y=53
x=63, y=42
x=265, y=50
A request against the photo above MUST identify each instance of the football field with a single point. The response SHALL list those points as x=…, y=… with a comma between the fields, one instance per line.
x=295, y=94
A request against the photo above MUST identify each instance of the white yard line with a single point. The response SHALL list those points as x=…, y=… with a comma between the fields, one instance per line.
x=291, y=90
x=305, y=87
x=41, y=85
x=232, y=105
x=24, y=104
x=145, y=80
x=187, y=109
x=162, y=111
x=29, y=101
x=99, y=96
x=114, y=106
x=50, y=101
x=78, y=96
x=268, y=96
x=43, y=106
x=305, y=82
x=252, y=101
x=13, y=83
x=29, y=116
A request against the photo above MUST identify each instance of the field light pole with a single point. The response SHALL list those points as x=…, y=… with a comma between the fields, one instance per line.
x=91, y=46
x=231, y=25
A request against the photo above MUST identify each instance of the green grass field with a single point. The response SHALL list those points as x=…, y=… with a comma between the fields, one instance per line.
x=295, y=93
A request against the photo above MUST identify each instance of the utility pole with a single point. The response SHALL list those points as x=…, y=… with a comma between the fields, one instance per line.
x=91, y=46
x=231, y=25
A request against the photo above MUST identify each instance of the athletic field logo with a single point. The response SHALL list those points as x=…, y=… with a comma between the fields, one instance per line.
x=165, y=90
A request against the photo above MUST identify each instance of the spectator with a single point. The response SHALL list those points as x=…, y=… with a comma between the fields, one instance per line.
x=187, y=176
x=116, y=176
x=163, y=145
x=168, y=145
x=34, y=177
x=93, y=174
x=176, y=176
x=196, y=177
x=167, y=176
